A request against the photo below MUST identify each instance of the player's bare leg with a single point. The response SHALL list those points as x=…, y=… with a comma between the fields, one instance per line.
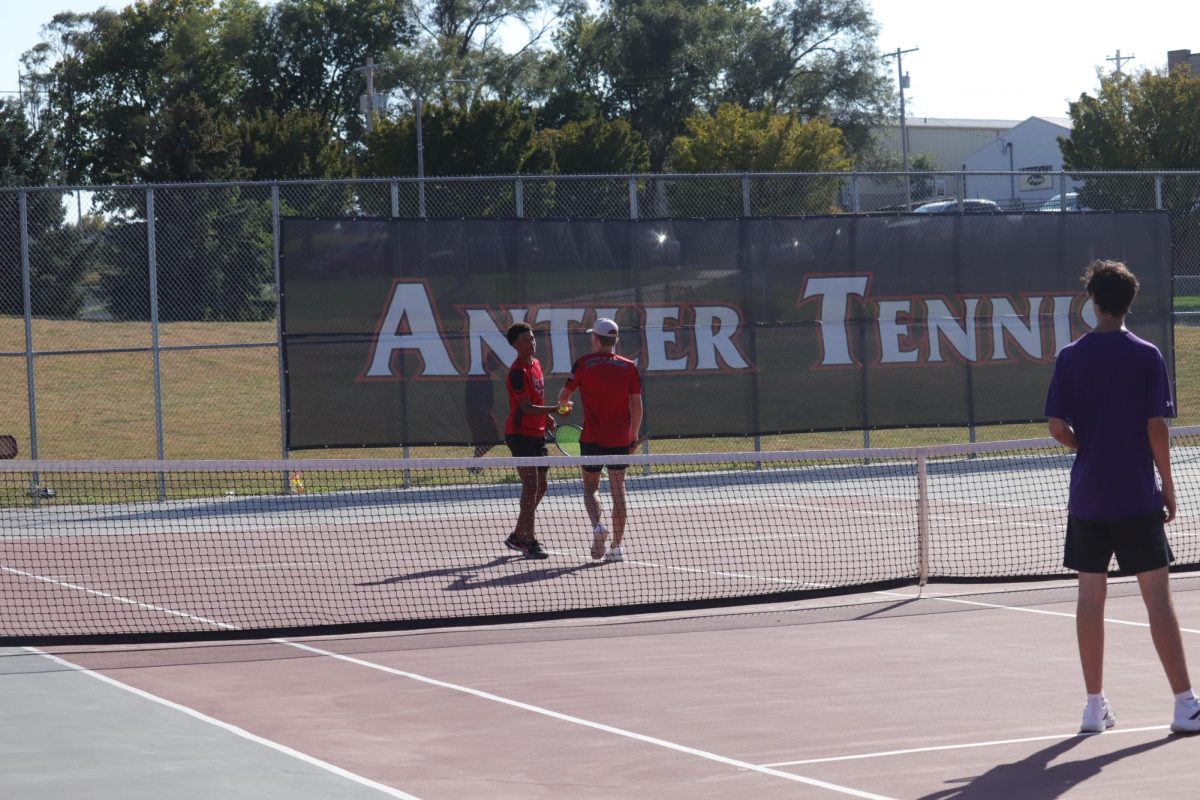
x=616, y=485
x=1164, y=627
x=591, y=496
x=1089, y=627
x=533, y=486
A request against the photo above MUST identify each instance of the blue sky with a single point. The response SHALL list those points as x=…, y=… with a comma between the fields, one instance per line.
x=1007, y=60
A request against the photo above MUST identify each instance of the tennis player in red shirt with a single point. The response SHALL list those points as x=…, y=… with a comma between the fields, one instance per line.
x=611, y=390
x=525, y=433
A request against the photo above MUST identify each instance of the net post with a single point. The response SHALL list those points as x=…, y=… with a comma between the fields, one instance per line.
x=922, y=519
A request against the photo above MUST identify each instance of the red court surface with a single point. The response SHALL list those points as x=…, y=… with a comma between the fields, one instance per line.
x=874, y=695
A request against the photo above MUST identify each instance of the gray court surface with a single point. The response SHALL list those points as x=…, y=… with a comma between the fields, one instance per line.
x=66, y=734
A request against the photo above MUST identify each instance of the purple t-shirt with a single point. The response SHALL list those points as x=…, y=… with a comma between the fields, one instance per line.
x=1107, y=385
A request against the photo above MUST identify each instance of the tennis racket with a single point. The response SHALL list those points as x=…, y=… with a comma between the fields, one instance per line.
x=566, y=439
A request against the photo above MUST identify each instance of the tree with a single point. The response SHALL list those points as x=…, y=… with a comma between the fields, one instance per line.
x=736, y=140
x=597, y=146
x=1147, y=121
x=307, y=55
x=814, y=58
x=295, y=144
x=58, y=253
x=652, y=62
x=212, y=252
x=116, y=73
x=591, y=146
x=490, y=138
x=657, y=63
x=461, y=39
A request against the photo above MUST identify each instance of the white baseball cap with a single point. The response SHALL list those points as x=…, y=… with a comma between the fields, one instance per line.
x=604, y=327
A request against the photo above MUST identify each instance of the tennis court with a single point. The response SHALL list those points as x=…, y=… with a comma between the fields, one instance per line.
x=881, y=690
x=876, y=695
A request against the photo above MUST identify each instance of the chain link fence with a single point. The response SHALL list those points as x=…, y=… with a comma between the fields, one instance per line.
x=141, y=322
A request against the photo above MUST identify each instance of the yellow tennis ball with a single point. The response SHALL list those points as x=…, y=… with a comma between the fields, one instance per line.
x=564, y=410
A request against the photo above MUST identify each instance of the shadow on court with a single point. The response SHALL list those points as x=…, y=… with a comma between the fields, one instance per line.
x=1035, y=778
x=470, y=577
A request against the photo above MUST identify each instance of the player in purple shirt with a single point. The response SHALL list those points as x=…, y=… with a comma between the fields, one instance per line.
x=1109, y=400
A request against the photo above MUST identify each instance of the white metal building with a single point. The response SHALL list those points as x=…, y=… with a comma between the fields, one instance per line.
x=969, y=145
x=1030, y=147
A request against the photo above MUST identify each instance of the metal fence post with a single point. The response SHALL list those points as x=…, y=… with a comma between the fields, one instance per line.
x=519, y=191
x=276, y=245
x=155, y=353
x=1062, y=191
x=633, y=200
x=746, y=213
x=855, y=206
x=1158, y=204
x=27, y=301
x=405, y=451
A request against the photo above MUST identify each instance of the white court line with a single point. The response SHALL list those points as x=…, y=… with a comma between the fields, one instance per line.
x=733, y=762
x=939, y=748
x=433, y=682
x=998, y=606
x=118, y=598
x=961, y=601
x=242, y=732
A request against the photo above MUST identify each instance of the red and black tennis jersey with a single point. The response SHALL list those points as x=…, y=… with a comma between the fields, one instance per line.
x=525, y=380
x=605, y=382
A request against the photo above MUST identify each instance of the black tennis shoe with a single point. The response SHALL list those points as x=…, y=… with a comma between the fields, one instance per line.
x=513, y=543
x=534, y=550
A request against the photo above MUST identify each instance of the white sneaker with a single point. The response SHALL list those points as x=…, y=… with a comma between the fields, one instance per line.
x=1187, y=717
x=614, y=554
x=599, y=538
x=1098, y=717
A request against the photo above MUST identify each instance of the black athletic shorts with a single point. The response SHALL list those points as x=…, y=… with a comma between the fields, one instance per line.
x=527, y=447
x=1140, y=544
x=590, y=449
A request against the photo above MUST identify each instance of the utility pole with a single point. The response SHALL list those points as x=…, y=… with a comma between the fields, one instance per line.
x=1119, y=60
x=902, y=80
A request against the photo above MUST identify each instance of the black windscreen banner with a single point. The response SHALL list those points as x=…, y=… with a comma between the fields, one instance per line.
x=393, y=329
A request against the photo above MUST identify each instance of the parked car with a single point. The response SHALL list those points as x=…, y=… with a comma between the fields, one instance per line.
x=1055, y=203
x=970, y=205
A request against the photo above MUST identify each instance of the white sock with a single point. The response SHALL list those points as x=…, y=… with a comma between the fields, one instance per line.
x=599, y=528
x=1096, y=698
x=1185, y=697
